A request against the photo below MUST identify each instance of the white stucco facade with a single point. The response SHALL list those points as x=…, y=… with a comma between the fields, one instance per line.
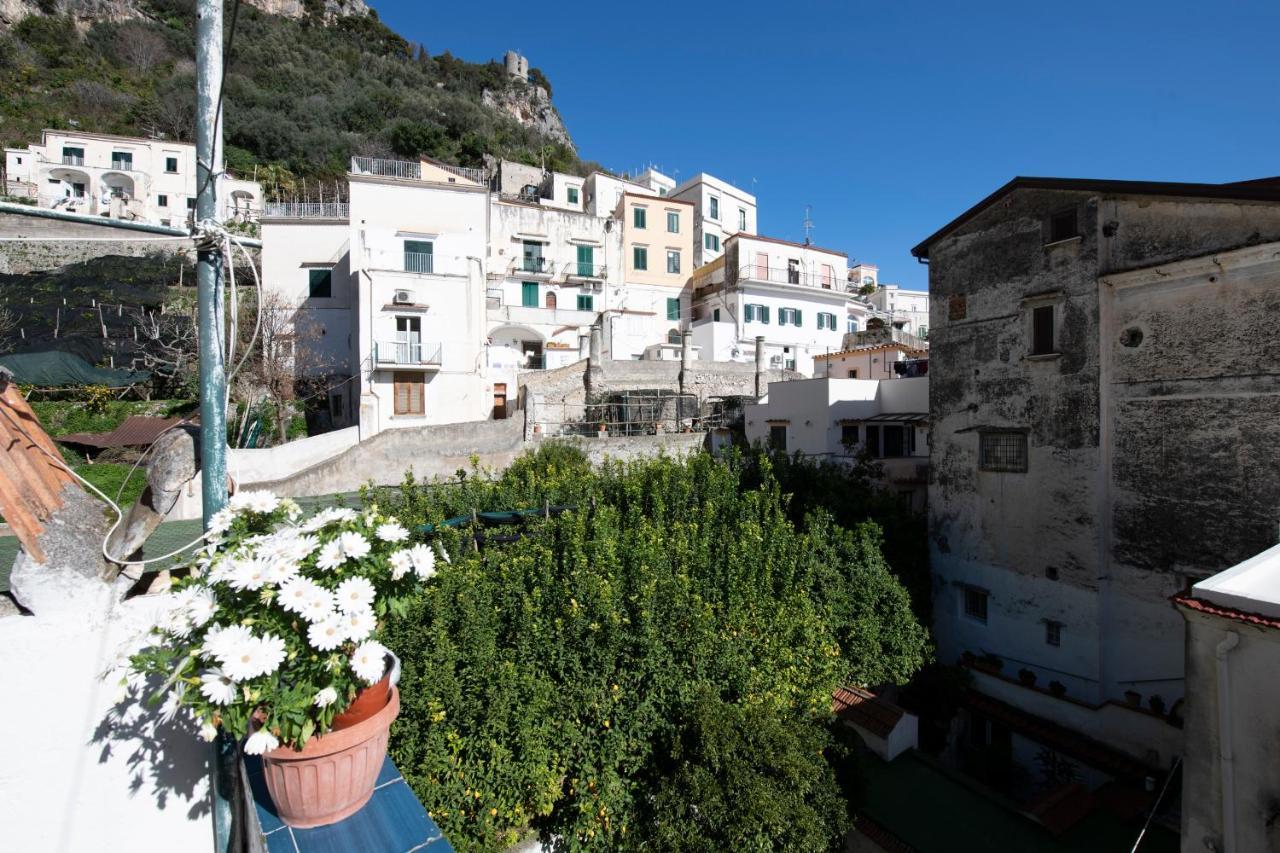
x=720, y=211
x=122, y=177
x=907, y=310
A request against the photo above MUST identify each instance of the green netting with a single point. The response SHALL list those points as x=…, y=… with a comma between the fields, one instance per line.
x=56, y=369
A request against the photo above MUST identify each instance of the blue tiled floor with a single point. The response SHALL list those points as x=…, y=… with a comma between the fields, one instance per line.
x=393, y=821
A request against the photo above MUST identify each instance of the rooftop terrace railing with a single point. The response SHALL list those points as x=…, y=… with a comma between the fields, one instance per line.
x=307, y=209
x=408, y=170
x=833, y=280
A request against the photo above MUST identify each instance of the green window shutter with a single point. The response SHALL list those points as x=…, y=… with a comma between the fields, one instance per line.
x=764, y=313
x=586, y=261
x=749, y=313
x=529, y=294
x=640, y=258
x=638, y=217
x=586, y=302
x=673, y=309
x=673, y=223
x=795, y=318
x=715, y=315
x=321, y=284
x=573, y=195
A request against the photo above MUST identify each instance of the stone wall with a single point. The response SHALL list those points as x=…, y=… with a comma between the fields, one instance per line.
x=83, y=241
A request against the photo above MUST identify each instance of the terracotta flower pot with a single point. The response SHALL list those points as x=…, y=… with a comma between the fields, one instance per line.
x=332, y=777
x=370, y=700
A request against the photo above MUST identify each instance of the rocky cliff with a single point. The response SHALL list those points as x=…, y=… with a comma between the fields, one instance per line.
x=531, y=106
x=92, y=11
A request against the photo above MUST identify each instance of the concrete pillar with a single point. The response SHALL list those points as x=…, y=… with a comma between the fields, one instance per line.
x=760, y=367
x=685, y=352
x=594, y=372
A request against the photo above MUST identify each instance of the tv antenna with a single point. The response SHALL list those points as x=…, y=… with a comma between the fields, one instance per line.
x=808, y=225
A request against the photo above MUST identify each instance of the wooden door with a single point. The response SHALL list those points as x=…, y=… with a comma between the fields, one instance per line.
x=499, y=401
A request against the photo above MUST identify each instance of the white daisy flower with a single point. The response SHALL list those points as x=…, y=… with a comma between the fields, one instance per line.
x=319, y=606
x=255, y=657
x=175, y=620
x=424, y=560
x=355, y=594
x=217, y=688
x=392, y=531
x=256, y=501
x=280, y=569
x=401, y=564
x=295, y=593
x=201, y=605
x=220, y=521
x=172, y=703
x=208, y=731
x=325, y=698
x=369, y=661
x=248, y=573
x=359, y=624
x=220, y=639
x=328, y=516
x=327, y=635
x=331, y=556
x=301, y=547
x=354, y=546
x=260, y=741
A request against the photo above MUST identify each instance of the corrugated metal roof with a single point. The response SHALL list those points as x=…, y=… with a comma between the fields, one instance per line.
x=136, y=430
x=31, y=482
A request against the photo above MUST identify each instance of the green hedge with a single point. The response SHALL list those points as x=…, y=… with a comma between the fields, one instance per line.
x=652, y=670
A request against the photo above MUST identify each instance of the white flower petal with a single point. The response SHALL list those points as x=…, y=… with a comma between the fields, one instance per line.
x=260, y=741
x=369, y=662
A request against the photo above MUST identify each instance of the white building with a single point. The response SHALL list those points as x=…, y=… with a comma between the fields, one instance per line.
x=123, y=177
x=795, y=296
x=1231, y=771
x=720, y=211
x=839, y=419
x=907, y=310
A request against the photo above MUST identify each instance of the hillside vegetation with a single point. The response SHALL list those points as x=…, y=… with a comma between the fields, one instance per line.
x=302, y=95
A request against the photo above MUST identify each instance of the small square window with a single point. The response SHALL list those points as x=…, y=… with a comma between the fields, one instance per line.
x=714, y=212
x=1052, y=633
x=975, y=604
x=715, y=315
x=320, y=285
x=1062, y=226
x=171, y=165
x=572, y=193
x=848, y=434
x=711, y=242
x=162, y=200
x=1002, y=451
x=586, y=302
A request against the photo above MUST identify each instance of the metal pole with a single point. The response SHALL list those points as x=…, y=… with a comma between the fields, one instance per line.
x=211, y=322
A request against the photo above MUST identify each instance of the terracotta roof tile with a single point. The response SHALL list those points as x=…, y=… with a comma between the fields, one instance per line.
x=31, y=482
x=866, y=710
x=1202, y=606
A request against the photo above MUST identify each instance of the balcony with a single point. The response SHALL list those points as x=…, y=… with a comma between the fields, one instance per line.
x=72, y=160
x=533, y=266
x=584, y=270
x=792, y=275
x=419, y=262
x=407, y=170
x=407, y=355
x=306, y=210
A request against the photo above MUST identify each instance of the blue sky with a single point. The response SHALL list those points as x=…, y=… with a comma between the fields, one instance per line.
x=891, y=118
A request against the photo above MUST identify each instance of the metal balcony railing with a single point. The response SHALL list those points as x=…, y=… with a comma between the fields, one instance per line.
x=792, y=275
x=125, y=165
x=307, y=209
x=411, y=353
x=419, y=262
x=538, y=266
x=582, y=269
x=71, y=160
x=408, y=170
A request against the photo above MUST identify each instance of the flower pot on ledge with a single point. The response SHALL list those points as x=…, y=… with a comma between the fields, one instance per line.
x=332, y=777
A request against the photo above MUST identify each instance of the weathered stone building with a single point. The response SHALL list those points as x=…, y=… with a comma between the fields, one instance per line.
x=1105, y=403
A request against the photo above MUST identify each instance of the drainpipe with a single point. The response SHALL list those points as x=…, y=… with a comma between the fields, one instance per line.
x=760, y=384
x=684, y=360
x=1226, y=758
x=592, y=376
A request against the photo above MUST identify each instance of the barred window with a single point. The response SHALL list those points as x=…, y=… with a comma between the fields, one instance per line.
x=975, y=603
x=1002, y=451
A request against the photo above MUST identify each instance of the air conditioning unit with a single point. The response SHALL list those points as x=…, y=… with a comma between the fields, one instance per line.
x=597, y=286
x=403, y=297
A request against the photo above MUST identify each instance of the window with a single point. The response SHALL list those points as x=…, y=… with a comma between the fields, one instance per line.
x=742, y=220
x=788, y=316
x=674, y=337
x=162, y=200
x=975, y=604
x=711, y=242
x=586, y=261
x=848, y=434
x=851, y=325
x=640, y=258
x=78, y=190
x=122, y=160
x=714, y=209
x=72, y=156
x=673, y=261
x=418, y=256
x=662, y=191
x=638, y=217
x=778, y=436
x=756, y=313
x=673, y=222
x=890, y=441
x=826, y=321
x=551, y=299
x=715, y=315
x=673, y=309
x=1062, y=226
x=320, y=284
x=1052, y=633
x=531, y=256
x=408, y=394
x=171, y=165
x=572, y=193
x=191, y=204
x=853, y=373
x=922, y=332
x=1042, y=330
x=586, y=302
x=1002, y=451
x=828, y=276
x=529, y=294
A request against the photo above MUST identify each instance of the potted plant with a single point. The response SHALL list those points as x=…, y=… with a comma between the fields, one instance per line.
x=1057, y=689
x=1157, y=705
x=273, y=640
x=1026, y=677
x=1133, y=698
x=990, y=662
